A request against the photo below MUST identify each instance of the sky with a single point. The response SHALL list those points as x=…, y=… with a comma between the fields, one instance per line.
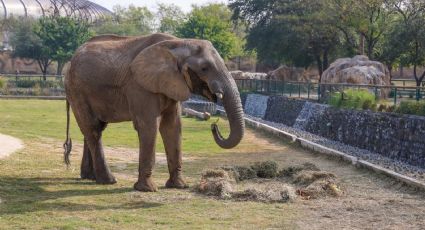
x=151, y=4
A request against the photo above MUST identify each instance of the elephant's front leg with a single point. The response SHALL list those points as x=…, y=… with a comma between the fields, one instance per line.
x=170, y=129
x=147, y=130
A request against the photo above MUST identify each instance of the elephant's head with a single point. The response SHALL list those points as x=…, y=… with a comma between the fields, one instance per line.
x=178, y=68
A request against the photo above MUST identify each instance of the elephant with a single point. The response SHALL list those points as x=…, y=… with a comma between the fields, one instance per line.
x=144, y=79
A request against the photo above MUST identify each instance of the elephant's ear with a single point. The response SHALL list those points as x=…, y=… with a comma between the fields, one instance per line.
x=156, y=69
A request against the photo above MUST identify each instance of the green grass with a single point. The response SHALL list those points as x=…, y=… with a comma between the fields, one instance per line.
x=353, y=99
x=38, y=192
x=29, y=119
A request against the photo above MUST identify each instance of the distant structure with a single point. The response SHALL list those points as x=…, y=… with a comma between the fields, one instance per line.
x=81, y=9
x=36, y=8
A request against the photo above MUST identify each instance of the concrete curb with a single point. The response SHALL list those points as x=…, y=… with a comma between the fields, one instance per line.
x=33, y=97
x=309, y=145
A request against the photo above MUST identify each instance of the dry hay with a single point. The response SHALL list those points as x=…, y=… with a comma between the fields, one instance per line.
x=262, y=182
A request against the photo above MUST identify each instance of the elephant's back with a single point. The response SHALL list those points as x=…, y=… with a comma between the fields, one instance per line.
x=104, y=60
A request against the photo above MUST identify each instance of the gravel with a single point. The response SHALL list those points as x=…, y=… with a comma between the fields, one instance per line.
x=375, y=158
x=372, y=157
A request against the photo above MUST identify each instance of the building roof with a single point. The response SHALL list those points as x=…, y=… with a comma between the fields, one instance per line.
x=36, y=8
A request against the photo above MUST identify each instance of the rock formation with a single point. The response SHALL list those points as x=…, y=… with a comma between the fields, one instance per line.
x=239, y=75
x=358, y=70
x=285, y=73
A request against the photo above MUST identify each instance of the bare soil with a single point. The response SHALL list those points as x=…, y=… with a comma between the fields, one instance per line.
x=370, y=201
x=9, y=145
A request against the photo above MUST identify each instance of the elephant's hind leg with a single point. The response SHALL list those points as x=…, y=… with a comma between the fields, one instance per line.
x=94, y=141
x=87, y=168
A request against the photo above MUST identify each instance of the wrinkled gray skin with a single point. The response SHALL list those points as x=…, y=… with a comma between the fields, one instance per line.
x=143, y=79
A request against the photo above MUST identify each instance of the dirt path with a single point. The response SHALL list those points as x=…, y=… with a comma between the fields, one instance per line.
x=9, y=145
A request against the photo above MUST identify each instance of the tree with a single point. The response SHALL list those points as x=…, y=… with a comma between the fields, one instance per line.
x=170, y=18
x=60, y=37
x=286, y=31
x=408, y=35
x=49, y=39
x=211, y=22
x=128, y=21
x=364, y=22
x=26, y=44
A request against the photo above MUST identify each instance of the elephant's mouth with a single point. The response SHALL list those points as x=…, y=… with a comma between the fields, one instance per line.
x=200, y=87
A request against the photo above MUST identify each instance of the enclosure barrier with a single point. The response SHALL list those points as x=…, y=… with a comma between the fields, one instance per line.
x=321, y=91
x=402, y=89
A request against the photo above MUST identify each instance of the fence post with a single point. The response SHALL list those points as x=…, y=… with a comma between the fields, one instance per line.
x=395, y=96
x=418, y=93
x=308, y=90
x=299, y=90
x=290, y=89
x=318, y=91
x=376, y=93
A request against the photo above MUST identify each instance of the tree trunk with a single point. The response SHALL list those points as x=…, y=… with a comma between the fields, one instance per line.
x=319, y=66
x=60, y=68
x=361, y=44
x=390, y=69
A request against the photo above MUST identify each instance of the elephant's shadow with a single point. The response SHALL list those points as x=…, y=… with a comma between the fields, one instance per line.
x=22, y=195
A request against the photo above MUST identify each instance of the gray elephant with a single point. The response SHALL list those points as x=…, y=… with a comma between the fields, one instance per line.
x=143, y=79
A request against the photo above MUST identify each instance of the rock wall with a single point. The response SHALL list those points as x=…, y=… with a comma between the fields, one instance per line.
x=399, y=137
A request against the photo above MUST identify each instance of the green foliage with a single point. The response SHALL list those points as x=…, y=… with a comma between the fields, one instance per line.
x=412, y=108
x=353, y=99
x=2, y=82
x=129, y=21
x=211, y=22
x=33, y=83
x=50, y=38
x=25, y=43
x=61, y=36
x=293, y=32
x=170, y=18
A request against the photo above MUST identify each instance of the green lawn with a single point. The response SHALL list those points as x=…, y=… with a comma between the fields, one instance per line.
x=38, y=192
x=34, y=119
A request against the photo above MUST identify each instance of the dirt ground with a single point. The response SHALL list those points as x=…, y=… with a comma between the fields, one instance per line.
x=370, y=201
x=8, y=145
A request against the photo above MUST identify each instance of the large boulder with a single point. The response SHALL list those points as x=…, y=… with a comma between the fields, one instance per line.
x=285, y=73
x=358, y=70
x=239, y=75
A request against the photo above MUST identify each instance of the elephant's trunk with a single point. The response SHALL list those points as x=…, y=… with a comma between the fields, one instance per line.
x=233, y=106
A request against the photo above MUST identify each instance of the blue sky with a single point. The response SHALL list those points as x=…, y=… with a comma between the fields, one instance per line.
x=184, y=4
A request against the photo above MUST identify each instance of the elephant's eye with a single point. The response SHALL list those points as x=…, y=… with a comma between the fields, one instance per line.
x=204, y=69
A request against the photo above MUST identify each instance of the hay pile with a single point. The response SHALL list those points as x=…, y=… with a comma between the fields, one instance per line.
x=263, y=182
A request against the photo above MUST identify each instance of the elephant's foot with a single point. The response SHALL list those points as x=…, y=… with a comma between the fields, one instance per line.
x=87, y=175
x=145, y=185
x=176, y=182
x=106, y=179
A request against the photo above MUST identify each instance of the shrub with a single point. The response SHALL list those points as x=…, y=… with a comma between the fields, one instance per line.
x=2, y=82
x=353, y=99
x=25, y=83
x=411, y=107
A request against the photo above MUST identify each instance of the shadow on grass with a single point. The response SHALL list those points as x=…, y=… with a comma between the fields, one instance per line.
x=22, y=195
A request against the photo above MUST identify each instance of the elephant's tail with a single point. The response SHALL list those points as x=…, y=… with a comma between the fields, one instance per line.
x=68, y=142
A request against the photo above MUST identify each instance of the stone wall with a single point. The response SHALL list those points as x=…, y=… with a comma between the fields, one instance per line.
x=399, y=137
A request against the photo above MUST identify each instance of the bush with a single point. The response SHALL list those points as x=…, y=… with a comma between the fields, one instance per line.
x=412, y=108
x=353, y=99
x=39, y=83
x=2, y=82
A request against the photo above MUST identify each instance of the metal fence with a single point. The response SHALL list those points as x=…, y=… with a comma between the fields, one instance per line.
x=320, y=92
x=32, y=85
